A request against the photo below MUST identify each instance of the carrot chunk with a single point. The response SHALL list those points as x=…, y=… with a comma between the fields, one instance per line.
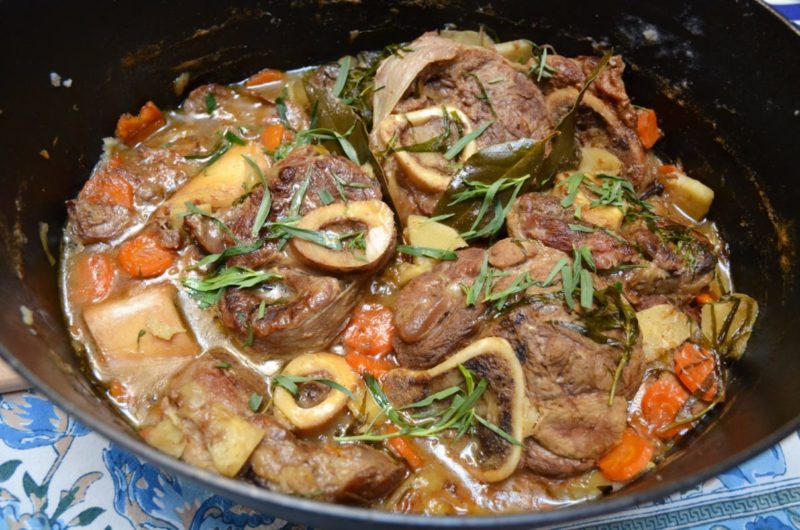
x=706, y=298
x=694, y=366
x=368, y=365
x=627, y=459
x=108, y=188
x=647, y=128
x=666, y=169
x=133, y=129
x=660, y=406
x=142, y=257
x=272, y=136
x=371, y=331
x=267, y=75
x=403, y=447
x=91, y=278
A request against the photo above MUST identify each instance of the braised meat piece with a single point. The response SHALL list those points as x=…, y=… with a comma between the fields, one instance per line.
x=129, y=179
x=346, y=473
x=540, y=216
x=301, y=312
x=487, y=88
x=327, y=174
x=432, y=316
x=210, y=399
x=598, y=125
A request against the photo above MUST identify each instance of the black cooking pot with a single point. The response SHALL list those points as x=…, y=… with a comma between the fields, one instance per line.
x=723, y=76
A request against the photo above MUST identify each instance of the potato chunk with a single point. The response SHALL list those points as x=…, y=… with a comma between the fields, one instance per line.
x=144, y=326
x=663, y=328
x=692, y=196
x=221, y=183
x=230, y=440
x=422, y=232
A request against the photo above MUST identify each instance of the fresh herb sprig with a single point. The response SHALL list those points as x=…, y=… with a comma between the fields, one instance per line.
x=289, y=383
x=435, y=253
x=489, y=192
x=459, y=416
x=208, y=290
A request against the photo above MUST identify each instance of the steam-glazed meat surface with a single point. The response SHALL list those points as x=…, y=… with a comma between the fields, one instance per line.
x=487, y=88
x=432, y=317
x=398, y=280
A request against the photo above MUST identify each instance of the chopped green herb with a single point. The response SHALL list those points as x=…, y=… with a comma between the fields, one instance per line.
x=192, y=209
x=482, y=95
x=581, y=228
x=233, y=139
x=255, y=401
x=248, y=341
x=262, y=310
x=222, y=365
x=211, y=103
x=437, y=218
x=435, y=253
x=341, y=77
x=300, y=193
x=458, y=416
x=323, y=239
x=244, y=248
x=464, y=140
x=354, y=240
x=325, y=196
x=208, y=290
x=572, y=183
x=139, y=338
x=266, y=199
x=540, y=68
x=473, y=291
x=289, y=382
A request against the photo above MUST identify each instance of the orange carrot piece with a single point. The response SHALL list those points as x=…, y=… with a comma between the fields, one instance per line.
x=647, y=128
x=91, y=278
x=133, y=129
x=142, y=257
x=628, y=459
x=705, y=298
x=272, y=136
x=660, y=406
x=108, y=188
x=368, y=365
x=264, y=76
x=403, y=447
x=666, y=169
x=694, y=366
x=371, y=331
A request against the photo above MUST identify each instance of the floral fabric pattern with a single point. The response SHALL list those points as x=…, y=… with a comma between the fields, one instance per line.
x=56, y=474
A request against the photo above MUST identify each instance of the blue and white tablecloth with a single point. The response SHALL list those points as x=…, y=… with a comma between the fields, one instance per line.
x=56, y=474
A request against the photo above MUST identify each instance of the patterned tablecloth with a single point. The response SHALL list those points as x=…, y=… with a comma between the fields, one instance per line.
x=56, y=474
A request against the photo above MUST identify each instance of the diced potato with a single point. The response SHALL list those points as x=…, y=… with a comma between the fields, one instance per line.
x=230, y=440
x=516, y=51
x=166, y=437
x=409, y=271
x=663, y=327
x=605, y=216
x=692, y=196
x=221, y=183
x=596, y=160
x=422, y=232
x=712, y=324
x=120, y=327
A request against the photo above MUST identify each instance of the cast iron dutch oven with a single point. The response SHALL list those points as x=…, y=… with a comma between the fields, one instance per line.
x=723, y=76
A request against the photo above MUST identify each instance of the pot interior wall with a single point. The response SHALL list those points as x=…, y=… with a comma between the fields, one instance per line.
x=725, y=98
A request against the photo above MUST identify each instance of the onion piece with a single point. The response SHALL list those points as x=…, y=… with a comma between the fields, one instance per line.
x=397, y=72
x=379, y=236
x=325, y=365
x=426, y=178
